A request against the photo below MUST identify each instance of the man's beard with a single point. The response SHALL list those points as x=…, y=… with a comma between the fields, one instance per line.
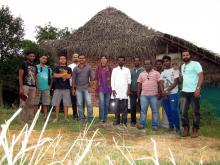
x=186, y=59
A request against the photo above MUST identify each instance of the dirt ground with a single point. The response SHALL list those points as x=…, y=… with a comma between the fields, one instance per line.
x=134, y=144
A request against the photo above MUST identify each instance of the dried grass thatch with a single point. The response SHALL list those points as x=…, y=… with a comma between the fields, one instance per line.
x=112, y=33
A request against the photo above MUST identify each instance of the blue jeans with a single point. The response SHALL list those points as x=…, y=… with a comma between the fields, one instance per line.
x=170, y=106
x=84, y=96
x=104, y=99
x=145, y=102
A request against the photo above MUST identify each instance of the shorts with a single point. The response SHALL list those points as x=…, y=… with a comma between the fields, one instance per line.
x=43, y=96
x=61, y=94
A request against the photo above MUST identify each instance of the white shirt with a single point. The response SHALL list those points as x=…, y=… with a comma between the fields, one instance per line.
x=119, y=81
x=168, y=76
x=72, y=66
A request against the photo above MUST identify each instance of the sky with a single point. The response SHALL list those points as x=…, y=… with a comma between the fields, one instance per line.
x=197, y=21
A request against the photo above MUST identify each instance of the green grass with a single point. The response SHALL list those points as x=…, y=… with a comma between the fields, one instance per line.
x=209, y=127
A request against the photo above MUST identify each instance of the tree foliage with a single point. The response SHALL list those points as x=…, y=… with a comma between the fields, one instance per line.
x=49, y=32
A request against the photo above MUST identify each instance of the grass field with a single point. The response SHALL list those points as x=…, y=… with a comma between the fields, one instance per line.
x=75, y=143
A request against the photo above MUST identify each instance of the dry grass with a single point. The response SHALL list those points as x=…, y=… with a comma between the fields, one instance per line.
x=102, y=144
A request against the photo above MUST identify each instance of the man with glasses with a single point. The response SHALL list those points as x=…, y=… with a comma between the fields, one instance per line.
x=192, y=74
x=44, y=75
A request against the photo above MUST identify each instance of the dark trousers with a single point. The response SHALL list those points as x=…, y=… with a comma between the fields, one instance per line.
x=122, y=108
x=188, y=97
x=74, y=106
x=134, y=103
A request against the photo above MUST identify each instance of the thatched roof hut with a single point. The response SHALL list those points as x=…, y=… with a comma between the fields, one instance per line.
x=111, y=32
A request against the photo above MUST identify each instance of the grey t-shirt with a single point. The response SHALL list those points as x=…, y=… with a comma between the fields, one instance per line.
x=82, y=76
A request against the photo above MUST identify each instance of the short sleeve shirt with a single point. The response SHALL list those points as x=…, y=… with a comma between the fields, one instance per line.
x=190, y=73
x=168, y=76
x=43, y=77
x=149, y=83
x=29, y=77
x=60, y=83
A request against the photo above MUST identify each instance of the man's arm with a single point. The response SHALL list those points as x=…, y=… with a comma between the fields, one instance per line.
x=139, y=88
x=21, y=84
x=113, y=83
x=199, y=85
x=175, y=83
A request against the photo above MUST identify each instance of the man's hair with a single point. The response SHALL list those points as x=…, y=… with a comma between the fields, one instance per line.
x=159, y=60
x=121, y=57
x=30, y=52
x=151, y=62
x=166, y=57
x=75, y=54
x=81, y=54
x=186, y=50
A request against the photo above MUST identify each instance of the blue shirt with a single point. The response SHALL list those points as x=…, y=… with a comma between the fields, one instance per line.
x=190, y=73
x=42, y=77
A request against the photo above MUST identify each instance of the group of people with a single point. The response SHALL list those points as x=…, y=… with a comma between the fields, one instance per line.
x=152, y=85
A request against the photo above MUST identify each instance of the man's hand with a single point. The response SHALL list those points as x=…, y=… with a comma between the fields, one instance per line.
x=21, y=90
x=164, y=96
x=36, y=93
x=197, y=93
x=73, y=92
x=128, y=92
x=114, y=93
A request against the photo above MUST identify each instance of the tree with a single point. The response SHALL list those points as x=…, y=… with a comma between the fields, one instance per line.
x=49, y=32
x=11, y=34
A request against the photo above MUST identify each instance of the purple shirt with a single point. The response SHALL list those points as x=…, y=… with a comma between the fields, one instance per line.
x=104, y=85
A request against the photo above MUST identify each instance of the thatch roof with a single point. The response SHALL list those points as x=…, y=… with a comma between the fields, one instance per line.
x=111, y=32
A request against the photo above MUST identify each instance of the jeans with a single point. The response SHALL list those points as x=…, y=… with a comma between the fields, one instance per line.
x=104, y=99
x=145, y=102
x=74, y=106
x=170, y=106
x=188, y=97
x=134, y=102
x=84, y=96
x=122, y=108
x=164, y=120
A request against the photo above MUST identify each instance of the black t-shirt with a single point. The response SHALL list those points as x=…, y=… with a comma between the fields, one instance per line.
x=30, y=71
x=60, y=83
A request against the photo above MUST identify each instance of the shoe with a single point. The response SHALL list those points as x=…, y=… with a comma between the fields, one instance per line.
x=55, y=120
x=155, y=128
x=140, y=127
x=124, y=125
x=185, y=132
x=133, y=124
x=195, y=133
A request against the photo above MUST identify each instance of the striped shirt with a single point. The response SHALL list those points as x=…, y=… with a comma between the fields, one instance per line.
x=149, y=83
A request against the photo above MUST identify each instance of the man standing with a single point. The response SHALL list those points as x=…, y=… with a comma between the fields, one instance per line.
x=164, y=121
x=82, y=79
x=120, y=82
x=75, y=60
x=192, y=81
x=62, y=74
x=44, y=76
x=169, y=79
x=27, y=88
x=148, y=82
x=135, y=72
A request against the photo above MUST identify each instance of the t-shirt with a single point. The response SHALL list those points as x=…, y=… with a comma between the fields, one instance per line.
x=190, y=73
x=43, y=77
x=30, y=71
x=60, y=83
x=149, y=83
x=168, y=76
x=82, y=76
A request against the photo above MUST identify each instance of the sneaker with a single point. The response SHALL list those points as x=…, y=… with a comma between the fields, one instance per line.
x=155, y=128
x=55, y=120
x=140, y=127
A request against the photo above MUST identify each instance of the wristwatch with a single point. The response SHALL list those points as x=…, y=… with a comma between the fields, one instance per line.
x=198, y=88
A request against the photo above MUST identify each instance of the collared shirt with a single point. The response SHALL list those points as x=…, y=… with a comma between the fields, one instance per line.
x=168, y=76
x=120, y=79
x=82, y=76
x=190, y=73
x=135, y=72
x=72, y=66
x=149, y=82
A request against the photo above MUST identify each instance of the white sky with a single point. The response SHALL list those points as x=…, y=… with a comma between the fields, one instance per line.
x=197, y=21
